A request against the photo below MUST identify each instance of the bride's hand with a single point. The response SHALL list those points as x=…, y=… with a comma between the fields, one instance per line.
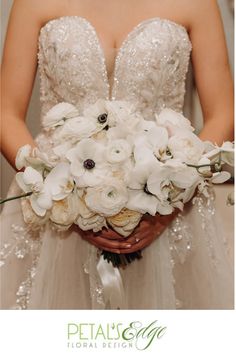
x=144, y=234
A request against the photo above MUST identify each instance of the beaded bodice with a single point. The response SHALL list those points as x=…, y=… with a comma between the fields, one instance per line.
x=149, y=70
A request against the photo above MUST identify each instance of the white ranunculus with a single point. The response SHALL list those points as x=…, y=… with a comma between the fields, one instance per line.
x=88, y=165
x=65, y=212
x=95, y=223
x=107, y=199
x=76, y=129
x=173, y=121
x=186, y=146
x=58, y=114
x=118, y=151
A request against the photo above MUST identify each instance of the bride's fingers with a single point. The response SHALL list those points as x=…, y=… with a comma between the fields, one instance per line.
x=109, y=244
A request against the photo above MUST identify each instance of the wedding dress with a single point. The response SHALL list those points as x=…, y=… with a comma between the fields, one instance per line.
x=187, y=266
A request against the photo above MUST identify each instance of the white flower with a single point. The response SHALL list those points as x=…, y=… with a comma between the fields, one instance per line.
x=56, y=186
x=28, y=156
x=58, y=114
x=226, y=151
x=120, y=112
x=186, y=146
x=152, y=145
x=32, y=181
x=140, y=199
x=97, y=114
x=118, y=151
x=125, y=221
x=22, y=155
x=95, y=222
x=107, y=199
x=34, y=221
x=168, y=183
x=76, y=129
x=65, y=212
x=88, y=163
x=173, y=121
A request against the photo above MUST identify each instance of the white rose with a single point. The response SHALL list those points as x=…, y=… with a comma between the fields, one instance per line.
x=173, y=121
x=95, y=222
x=125, y=221
x=57, y=115
x=186, y=146
x=119, y=112
x=108, y=199
x=118, y=151
x=65, y=212
x=30, y=217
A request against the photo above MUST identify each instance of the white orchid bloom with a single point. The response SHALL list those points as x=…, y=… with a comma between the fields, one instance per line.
x=168, y=182
x=140, y=199
x=88, y=165
x=32, y=181
x=56, y=186
x=153, y=142
x=58, y=114
x=59, y=181
x=226, y=151
x=29, y=156
x=22, y=155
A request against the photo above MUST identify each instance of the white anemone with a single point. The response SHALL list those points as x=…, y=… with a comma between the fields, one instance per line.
x=88, y=164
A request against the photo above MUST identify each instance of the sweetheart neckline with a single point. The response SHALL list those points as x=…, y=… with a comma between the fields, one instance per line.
x=132, y=32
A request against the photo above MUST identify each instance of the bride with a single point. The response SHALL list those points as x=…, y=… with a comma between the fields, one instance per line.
x=139, y=51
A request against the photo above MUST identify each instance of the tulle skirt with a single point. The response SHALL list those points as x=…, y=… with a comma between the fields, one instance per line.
x=187, y=267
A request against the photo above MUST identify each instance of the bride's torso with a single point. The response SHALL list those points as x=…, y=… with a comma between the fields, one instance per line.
x=149, y=67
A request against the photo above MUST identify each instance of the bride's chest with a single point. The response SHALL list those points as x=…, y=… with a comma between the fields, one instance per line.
x=74, y=60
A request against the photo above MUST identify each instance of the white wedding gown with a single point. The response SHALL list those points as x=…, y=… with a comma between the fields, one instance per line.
x=187, y=266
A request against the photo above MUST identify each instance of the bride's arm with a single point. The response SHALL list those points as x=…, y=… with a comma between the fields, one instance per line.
x=18, y=71
x=211, y=70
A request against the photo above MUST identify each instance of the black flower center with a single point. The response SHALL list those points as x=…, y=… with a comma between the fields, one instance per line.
x=102, y=118
x=145, y=188
x=89, y=164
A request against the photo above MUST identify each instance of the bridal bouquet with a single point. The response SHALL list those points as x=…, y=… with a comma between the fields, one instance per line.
x=109, y=167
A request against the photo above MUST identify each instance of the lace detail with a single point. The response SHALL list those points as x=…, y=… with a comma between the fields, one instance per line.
x=149, y=71
x=24, y=243
x=180, y=239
